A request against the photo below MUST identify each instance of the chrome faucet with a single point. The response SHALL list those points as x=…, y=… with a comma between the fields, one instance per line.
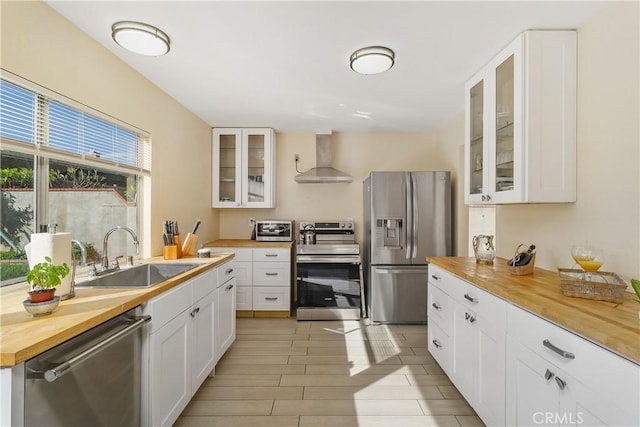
x=105, y=268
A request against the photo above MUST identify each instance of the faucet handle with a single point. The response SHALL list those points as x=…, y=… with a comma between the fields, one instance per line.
x=115, y=264
x=92, y=270
x=130, y=260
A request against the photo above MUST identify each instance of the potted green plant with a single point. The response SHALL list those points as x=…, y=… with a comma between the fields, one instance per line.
x=43, y=279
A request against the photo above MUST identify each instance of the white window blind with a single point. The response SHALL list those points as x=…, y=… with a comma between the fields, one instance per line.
x=60, y=128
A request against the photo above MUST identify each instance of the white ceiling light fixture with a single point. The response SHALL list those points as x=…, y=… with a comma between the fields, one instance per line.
x=140, y=38
x=372, y=60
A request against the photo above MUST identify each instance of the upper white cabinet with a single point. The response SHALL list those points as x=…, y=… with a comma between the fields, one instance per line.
x=520, y=123
x=244, y=162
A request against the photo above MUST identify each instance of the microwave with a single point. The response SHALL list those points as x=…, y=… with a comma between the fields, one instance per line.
x=273, y=230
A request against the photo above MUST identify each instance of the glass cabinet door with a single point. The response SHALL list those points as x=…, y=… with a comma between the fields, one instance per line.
x=476, y=138
x=255, y=178
x=229, y=150
x=504, y=143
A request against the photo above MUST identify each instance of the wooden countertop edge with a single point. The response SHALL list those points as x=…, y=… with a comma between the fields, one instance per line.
x=246, y=243
x=538, y=294
x=95, y=310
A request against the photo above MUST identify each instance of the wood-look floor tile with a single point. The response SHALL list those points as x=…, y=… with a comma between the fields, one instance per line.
x=433, y=369
x=372, y=392
x=415, y=340
x=261, y=344
x=238, y=421
x=428, y=380
x=267, y=337
x=346, y=407
x=267, y=331
x=242, y=380
x=390, y=350
x=248, y=393
x=228, y=407
x=226, y=369
x=343, y=360
x=267, y=351
x=230, y=359
x=343, y=380
x=446, y=407
x=420, y=351
x=470, y=421
x=266, y=323
x=365, y=369
x=418, y=360
x=450, y=392
x=379, y=421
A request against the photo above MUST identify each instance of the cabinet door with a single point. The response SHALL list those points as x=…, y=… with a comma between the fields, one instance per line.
x=463, y=349
x=489, y=370
x=170, y=370
x=258, y=176
x=227, y=167
x=203, y=320
x=532, y=391
x=244, y=298
x=226, y=320
x=476, y=139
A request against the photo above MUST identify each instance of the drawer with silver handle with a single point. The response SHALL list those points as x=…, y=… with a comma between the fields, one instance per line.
x=271, y=298
x=438, y=308
x=271, y=274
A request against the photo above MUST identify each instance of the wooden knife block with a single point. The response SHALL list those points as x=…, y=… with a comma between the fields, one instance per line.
x=189, y=246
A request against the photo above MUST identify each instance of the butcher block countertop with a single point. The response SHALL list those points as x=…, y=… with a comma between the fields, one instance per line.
x=613, y=326
x=23, y=336
x=246, y=243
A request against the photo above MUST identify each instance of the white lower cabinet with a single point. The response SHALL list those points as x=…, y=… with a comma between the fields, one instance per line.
x=557, y=378
x=476, y=342
x=190, y=329
x=226, y=309
x=517, y=369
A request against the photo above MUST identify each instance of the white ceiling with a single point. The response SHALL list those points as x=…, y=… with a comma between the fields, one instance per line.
x=285, y=64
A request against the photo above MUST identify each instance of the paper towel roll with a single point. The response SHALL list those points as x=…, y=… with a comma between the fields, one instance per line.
x=56, y=246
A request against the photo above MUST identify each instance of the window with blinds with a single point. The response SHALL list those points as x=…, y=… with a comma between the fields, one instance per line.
x=65, y=163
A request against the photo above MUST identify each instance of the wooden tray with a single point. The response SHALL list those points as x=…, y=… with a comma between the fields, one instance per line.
x=601, y=285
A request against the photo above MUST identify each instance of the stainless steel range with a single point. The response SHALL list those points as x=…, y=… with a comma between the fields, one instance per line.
x=329, y=281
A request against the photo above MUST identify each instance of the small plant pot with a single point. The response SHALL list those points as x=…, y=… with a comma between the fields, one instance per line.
x=42, y=296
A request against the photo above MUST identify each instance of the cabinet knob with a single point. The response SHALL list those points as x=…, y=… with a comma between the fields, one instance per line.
x=484, y=198
x=437, y=344
x=469, y=317
x=436, y=306
x=488, y=198
x=228, y=288
x=229, y=271
x=548, y=375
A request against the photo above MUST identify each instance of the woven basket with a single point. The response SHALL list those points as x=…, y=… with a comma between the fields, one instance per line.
x=601, y=285
x=524, y=269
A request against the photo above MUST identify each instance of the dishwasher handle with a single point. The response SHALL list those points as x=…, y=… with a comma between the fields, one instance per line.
x=54, y=373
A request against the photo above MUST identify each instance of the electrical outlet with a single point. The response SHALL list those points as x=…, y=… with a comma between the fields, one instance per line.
x=252, y=221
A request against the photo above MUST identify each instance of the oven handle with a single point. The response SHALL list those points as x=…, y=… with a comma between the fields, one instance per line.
x=309, y=259
x=399, y=271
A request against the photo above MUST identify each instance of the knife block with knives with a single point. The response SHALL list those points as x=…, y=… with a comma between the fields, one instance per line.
x=191, y=241
x=172, y=245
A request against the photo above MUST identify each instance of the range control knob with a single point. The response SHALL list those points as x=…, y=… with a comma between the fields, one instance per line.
x=350, y=225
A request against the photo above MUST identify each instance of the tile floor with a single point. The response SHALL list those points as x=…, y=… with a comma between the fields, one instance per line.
x=280, y=372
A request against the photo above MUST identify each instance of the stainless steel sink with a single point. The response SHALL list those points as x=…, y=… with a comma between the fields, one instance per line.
x=139, y=276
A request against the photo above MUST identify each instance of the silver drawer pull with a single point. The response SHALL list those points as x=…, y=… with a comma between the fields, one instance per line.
x=436, y=306
x=271, y=255
x=271, y=298
x=194, y=312
x=229, y=271
x=548, y=375
x=565, y=354
x=561, y=383
x=437, y=344
x=470, y=298
x=228, y=288
x=435, y=277
x=469, y=317
x=271, y=274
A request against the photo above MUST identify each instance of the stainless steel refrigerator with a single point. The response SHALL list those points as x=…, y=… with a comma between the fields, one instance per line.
x=407, y=217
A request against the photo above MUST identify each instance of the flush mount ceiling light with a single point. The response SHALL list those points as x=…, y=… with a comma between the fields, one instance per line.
x=140, y=38
x=372, y=60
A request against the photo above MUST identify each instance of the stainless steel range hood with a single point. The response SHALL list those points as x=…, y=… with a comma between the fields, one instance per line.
x=323, y=173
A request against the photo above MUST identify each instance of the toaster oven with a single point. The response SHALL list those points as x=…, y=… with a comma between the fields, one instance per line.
x=273, y=230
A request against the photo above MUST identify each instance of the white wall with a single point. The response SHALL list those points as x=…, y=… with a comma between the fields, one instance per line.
x=40, y=45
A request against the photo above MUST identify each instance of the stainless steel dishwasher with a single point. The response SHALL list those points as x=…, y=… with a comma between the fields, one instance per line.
x=93, y=379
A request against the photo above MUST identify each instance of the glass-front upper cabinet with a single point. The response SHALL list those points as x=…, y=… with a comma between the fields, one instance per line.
x=243, y=168
x=520, y=120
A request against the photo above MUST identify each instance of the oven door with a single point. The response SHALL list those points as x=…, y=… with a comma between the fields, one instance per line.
x=328, y=287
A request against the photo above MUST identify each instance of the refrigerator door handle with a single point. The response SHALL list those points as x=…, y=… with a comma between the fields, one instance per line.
x=408, y=226
x=414, y=216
